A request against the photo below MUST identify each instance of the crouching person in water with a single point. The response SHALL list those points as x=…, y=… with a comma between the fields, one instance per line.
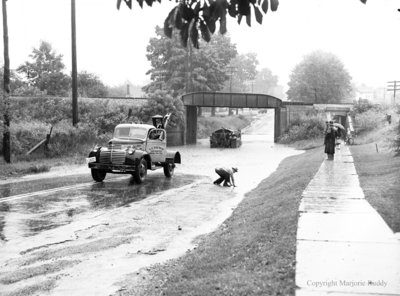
x=226, y=175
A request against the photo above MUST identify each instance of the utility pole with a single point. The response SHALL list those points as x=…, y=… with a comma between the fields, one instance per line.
x=74, y=74
x=231, y=70
x=6, y=90
x=393, y=86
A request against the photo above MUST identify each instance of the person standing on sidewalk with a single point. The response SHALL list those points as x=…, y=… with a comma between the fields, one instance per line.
x=226, y=175
x=330, y=140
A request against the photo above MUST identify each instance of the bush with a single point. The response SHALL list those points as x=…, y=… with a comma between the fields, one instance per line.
x=161, y=103
x=369, y=120
x=32, y=118
x=304, y=127
x=396, y=140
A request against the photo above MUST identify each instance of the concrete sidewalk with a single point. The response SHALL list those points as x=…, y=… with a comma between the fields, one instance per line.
x=343, y=245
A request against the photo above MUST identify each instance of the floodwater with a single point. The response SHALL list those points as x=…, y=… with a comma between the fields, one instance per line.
x=85, y=238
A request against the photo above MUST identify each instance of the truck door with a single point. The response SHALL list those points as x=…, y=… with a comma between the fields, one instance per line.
x=157, y=145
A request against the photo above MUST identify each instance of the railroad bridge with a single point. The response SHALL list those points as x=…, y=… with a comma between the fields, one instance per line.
x=230, y=100
x=285, y=111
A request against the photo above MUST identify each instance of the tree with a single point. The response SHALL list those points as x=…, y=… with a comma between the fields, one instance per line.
x=198, y=16
x=179, y=70
x=46, y=71
x=264, y=82
x=90, y=86
x=241, y=71
x=161, y=102
x=320, y=78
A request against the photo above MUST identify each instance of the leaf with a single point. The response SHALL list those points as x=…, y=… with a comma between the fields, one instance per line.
x=139, y=1
x=127, y=2
x=149, y=2
x=187, y=13
x=244, y=7
x=265, y=6
x=258, y=14
x=184, y=33
x=167, y=23
x=194, y=34
x=363, y=1
x=232, y=10
x=239, y=18
x=222, y=23
x=205, y=33
x=210, y=23
x=178, y=23
x=274, y=5
x=248, y=20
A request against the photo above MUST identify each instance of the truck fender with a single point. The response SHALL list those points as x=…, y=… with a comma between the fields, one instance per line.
x=138, y=154
x=173, y=156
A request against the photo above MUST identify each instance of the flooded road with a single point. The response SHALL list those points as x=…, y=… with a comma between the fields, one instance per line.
x=85, y=238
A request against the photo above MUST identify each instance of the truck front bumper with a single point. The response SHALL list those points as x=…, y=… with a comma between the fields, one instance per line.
x=112, y=168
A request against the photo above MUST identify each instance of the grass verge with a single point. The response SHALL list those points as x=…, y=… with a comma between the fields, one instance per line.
x=252, y=253
x=379, y=174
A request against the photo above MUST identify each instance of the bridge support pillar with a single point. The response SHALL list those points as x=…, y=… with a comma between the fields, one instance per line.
x=277, y=129
x=191, y=124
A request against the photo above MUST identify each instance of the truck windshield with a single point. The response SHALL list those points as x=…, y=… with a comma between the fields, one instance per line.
x=130, y=133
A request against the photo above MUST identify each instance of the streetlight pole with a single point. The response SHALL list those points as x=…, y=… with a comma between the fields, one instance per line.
x=74, y=73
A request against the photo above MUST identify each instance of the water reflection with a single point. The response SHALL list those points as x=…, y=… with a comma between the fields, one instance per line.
x=31, y=215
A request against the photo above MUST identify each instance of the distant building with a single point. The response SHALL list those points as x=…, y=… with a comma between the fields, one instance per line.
x=371, y=94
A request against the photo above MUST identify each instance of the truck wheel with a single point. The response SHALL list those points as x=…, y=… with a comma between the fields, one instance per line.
x=98, y=175
x=140, y=171
x=169, y=169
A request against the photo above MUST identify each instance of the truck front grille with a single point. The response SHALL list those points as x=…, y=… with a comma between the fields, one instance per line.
x=112, y=157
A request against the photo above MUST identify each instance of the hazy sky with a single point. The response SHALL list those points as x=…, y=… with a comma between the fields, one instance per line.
x=112, y=44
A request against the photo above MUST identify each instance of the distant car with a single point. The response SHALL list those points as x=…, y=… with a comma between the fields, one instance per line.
x=226, y=138
x=134, y=149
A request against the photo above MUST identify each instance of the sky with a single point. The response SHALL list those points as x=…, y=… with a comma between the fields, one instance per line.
x=112, y=43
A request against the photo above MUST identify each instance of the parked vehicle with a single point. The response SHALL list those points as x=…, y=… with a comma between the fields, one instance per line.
x=134, y=149
x=226, y=138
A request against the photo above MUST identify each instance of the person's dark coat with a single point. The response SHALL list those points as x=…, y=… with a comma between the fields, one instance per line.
x=330, y=142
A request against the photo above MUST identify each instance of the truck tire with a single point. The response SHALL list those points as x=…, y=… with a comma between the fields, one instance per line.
x=169, y=169
x=140, y=171
x=98, y=175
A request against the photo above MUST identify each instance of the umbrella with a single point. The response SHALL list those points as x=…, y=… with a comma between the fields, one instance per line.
x=339, y=126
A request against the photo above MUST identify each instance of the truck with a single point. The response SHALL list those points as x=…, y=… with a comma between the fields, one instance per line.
x=134, y=149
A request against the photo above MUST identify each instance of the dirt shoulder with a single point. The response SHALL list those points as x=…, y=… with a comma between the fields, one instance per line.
x=253, y=252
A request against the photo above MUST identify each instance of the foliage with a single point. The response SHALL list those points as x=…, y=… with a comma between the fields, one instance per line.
x=33, y=117
x=241, y=70
x=320, y=78
x=181, y=70
x=90, y=86
x=362, y=106
x=194, y=17
x=45, y=71
x=396, y=140
x=197, y=18
x=264, y=82
x=369, y=120
x=161, y=103
x=303, y=127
